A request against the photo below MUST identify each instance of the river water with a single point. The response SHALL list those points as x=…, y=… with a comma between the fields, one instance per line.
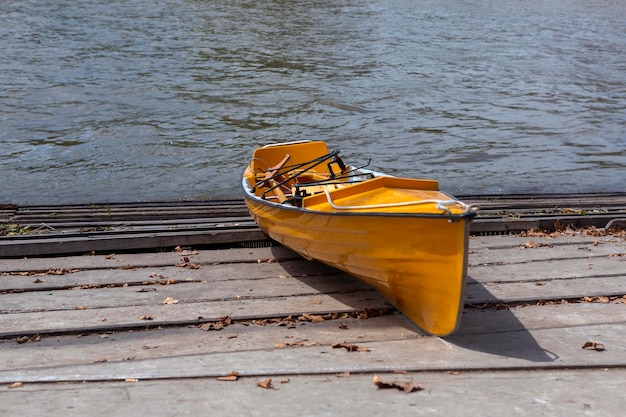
x=144, y=100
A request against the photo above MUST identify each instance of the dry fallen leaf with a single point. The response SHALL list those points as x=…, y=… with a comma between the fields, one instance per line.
x=371, y=312
x=597, y=346
x=27, y=339
x=16, y=385
x=531, y=244
x=350, y=348
x=269, y=261
x=233, y=376
x=61, y=271
x=224, y=322
x=345, y=374
x=266, y=383
x=211, y=326
x=188, y=265
x=406, y=386
x=303, y=342
x=312, y=318
x=147, y=317
x=170, y=300
x=110, y=256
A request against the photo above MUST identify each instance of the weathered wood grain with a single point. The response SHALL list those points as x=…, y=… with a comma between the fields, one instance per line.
x=185, y=292
x=139, y=260
x=85, y=318
x=131, y=285
x=515, y=346
x=60, y=279
x=154, y=343
x=576, y=392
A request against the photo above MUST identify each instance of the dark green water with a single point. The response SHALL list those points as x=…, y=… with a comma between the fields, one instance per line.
x=139, y=100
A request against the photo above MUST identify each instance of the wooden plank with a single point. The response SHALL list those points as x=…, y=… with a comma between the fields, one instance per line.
x=573, y=238
x=547, y=347
x=547, y=290
x=487, y=284
x=529, y=249
x=539, y=317
x=44, y=246
x=187, y=291
x=588, y=259
x=517, y=225
x=139, y=286
x=540, y=271
x=201, y=294
x=85, y=348
x=60, y=279
x=165, y=342
x=140, y=260
x=483, y=251
x=89, y=227
x=116, y=318
x=557, y=392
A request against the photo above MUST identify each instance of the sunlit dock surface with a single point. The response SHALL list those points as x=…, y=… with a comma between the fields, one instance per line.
x=242, y=326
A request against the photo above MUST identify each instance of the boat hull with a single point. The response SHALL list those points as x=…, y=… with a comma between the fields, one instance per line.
x=418, y=262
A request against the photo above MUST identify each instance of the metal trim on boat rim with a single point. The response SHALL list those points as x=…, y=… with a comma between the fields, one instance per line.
x=470, y=213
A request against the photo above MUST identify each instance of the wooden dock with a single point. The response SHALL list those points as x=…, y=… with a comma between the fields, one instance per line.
x=222, y=322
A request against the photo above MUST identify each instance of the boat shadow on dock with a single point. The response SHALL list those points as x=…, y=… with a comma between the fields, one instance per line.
x=493, y=328
x=488, y=326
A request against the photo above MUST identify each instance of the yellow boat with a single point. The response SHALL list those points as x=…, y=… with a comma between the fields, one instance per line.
x=402, y=236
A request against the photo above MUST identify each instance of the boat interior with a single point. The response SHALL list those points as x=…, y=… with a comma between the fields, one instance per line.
x=289, y=172
x=308, y=175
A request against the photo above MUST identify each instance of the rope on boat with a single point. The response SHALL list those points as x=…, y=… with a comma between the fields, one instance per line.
x=443, y=205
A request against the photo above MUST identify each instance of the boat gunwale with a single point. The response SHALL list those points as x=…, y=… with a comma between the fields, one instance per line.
x=468, y=215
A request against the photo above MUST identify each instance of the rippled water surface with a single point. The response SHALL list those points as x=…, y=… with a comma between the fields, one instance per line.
x=137, y=100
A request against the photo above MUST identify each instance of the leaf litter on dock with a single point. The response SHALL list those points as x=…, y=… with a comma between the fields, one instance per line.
x=232, y=376
x=349, y=347
x=406, y=386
